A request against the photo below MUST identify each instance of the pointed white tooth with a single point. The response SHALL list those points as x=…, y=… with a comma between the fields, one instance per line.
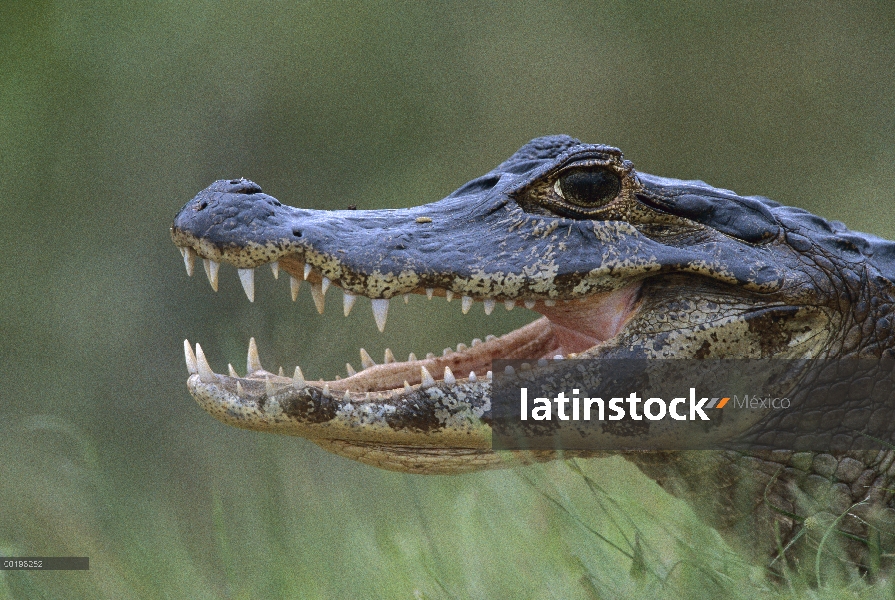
x=232, y=371
x=407, y=388
x=466, y=304
x=509, y=304
x=280, y=372
x=429, y=292
x=476, y=342
x=365, y=360
x=449, y=295
x=542, y=362
x=406, y=298
x=347, y=303
x=350, y=370
x=429, y=356
x=447, y=351
x=308, y=269
x=411, y=357
x=489, y=376
x=294, y=285
x=189, y=255
x=489, y=305
x=275, y=269
x=389, y=357
x=472, y=377
x=428, y=381
x=205, y=372
x=298, y=379
x=559, y=357
x=380, y=312
x=268, y=386
x=449, y=376
x=346, y=397
x=211, y=270
x=324, y=283
x=549, y=302
x=530, y=304
x=317, y=295
x=326, y=390
x=239, y=391
x=490, y=338
x=462, y=347
x=191, y=365
x=508, y=370
x=247, y=277
x=253, y=363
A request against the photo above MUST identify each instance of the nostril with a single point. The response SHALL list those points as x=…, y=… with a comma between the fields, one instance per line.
x=202, y=205
x=296, y=232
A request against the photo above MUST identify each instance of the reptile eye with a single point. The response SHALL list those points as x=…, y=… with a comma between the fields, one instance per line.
x=589, y=188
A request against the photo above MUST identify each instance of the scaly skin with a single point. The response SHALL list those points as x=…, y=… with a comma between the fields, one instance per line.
x=620, y=264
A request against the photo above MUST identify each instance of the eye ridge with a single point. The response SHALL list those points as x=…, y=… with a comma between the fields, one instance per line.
x=589, y=188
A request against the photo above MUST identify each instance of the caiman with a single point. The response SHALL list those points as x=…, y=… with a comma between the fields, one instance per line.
x=618, y=263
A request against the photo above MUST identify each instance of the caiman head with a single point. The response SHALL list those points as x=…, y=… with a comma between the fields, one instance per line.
x=618, y=263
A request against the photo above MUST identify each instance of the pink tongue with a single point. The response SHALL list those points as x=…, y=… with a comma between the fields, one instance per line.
x=579, y=325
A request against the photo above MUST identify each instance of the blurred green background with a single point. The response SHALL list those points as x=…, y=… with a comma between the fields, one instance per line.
x=113, y=115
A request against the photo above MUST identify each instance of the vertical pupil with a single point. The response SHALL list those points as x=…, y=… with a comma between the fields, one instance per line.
x=591, y=187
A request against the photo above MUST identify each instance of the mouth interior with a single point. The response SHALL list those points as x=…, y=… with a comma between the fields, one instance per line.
x=565, y=329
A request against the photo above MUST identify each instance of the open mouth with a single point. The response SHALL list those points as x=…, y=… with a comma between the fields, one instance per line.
x=566, y=329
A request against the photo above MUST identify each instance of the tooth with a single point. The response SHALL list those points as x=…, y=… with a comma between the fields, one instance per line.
x=476, y=342
x=449, y=377
x=324, y=283
x=317, y=295
x=347, y=302
x=298, y=379
x=490, y=338
x=549, y=302
x=429, y=356
x=558, y=357
x=542, y=362
x=350, y=369
x=253, y=363
x=346, y=397
x=191, y=365
x=427, y=378
x=529, y=304
x=489, y=305
x=429, y=292
x=211, y=269
x=406, y=298
x=205, y=372
x=489, y=376
x=509, y=304
x=472, y=377
x=189, y=256
x=449, y=295
x=280, y=372
x=365, y=360
x=239, y=391
x=389, y=357
x=294, y=285
x=380, y=312
x=308, y=269
x=326, y=390
x=247, y=277
x=447, y=351
x=268, y=387
x=407, y=388
x=232, y=371
x=275, y=268
x=508, y=370
x=411, y=357
x=461, y=347
x=466, y=304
